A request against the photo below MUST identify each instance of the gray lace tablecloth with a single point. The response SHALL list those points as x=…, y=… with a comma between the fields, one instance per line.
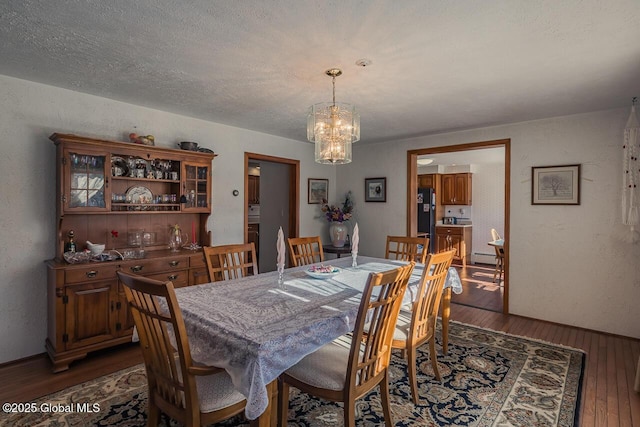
x=256, y=330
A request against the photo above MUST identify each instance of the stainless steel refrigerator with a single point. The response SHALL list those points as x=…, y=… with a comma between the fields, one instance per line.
x=427, y=215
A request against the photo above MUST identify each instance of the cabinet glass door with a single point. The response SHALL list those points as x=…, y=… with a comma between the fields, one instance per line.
x=86, y=181
x=196, y=191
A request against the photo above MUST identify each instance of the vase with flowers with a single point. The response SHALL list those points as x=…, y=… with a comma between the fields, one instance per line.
x=337, y=216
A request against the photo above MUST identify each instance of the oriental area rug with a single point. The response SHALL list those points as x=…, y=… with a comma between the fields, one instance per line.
x=488, y=379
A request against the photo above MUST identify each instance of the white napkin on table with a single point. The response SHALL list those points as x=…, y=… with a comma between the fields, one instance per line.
x=281, y=250
x=354, y=240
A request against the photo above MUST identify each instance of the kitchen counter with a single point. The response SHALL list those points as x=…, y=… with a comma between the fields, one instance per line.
x=439, y=224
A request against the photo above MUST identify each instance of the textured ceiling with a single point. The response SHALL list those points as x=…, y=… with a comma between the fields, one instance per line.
x=436, y=65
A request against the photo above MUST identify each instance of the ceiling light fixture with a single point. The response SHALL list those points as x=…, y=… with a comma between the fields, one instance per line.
x=424, y=162
x=333, y=127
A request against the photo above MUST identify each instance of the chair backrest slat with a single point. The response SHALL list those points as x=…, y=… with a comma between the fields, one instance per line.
x=426, y=306
x=305, y=250
x=233, y=261
x=165, y=362
x=407, y=248
x=378, y=313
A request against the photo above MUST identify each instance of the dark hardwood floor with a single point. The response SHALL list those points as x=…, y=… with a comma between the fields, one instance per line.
x=479, y=289
x=608, y=398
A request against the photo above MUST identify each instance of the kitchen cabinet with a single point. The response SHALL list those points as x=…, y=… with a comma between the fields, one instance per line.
x=254, y=190
x=458, y=238
x=427, y=180
x=107, y=192
x=456, y=189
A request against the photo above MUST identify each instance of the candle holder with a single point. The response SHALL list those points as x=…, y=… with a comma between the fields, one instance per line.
x=192, y=246
x=354, y=256
x=281, y=278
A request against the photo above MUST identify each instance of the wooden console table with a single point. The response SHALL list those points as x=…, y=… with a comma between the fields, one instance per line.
x=346, y=249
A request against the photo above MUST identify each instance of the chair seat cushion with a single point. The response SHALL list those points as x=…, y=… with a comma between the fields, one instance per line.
x=326, y=367
x=216, y=392
x=402, y=326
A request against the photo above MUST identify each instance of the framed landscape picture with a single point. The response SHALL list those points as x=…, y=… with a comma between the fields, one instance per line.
x=555, y=185
x=375, y=189
x=318, y=190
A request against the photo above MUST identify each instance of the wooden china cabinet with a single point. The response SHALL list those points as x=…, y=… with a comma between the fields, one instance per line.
x=127, y=196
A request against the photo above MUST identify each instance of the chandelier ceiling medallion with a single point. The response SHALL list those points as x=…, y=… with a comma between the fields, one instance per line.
x=333, y=127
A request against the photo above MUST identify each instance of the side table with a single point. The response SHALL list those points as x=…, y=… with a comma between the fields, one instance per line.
x=346, y=249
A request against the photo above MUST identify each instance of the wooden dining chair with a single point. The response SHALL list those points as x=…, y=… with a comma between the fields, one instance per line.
x=407, y=248
x=351, y=366
x=418, y=326
x=499, y=270
x=305, y=250
x=227, y=262
x=194, y=395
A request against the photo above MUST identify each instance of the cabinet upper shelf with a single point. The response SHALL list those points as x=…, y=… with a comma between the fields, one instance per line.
x=101, y=176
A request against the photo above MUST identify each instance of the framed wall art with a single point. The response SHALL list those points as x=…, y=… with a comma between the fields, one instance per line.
x=375, y=189
x=318, y=190
x=555, y=185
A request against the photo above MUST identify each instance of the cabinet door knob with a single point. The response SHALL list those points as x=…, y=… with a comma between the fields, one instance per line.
x=92, y=273
x=137, y=268
x=174, y=263
x=173, y=277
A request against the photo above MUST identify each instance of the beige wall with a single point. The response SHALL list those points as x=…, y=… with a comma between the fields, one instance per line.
x=569, y=264
x=29, y=113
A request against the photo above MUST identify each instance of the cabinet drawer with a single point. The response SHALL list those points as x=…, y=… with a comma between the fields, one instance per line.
x=198, y=276
x=145, y=267
x=197, y=261
x=90, y=273
x=179, y=278
x=458, y=231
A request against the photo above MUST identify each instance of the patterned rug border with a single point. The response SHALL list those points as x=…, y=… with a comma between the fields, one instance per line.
x=82, y=389
x=578, y=404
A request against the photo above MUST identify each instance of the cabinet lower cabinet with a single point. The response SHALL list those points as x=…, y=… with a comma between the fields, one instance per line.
x=90, y=314
x=458, y=238
x=87, y=306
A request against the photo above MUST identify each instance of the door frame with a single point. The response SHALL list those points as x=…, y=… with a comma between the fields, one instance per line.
x=412, y=188
x=294, y=190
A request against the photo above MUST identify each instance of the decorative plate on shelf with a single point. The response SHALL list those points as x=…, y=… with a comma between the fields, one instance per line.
x=322, y=271
x=139, y=194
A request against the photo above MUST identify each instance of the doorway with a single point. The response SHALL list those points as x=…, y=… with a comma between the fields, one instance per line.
x=279, y=193
x=412, y=180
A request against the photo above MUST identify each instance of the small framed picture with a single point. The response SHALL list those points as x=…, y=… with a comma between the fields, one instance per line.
x=555, y=185
x=375, y=189
x=318, y=190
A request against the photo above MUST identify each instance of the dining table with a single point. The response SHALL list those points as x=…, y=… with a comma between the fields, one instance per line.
x=256, y=328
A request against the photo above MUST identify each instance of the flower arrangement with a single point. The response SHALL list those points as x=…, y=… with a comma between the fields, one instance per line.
x=335, y=213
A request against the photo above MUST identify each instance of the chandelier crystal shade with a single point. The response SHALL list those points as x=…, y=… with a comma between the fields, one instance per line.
x=333, y=127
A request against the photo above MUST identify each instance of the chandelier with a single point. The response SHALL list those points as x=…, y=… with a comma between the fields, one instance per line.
x=333, y=127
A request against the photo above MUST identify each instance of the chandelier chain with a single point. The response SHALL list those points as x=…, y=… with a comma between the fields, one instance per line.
x=334, y=90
